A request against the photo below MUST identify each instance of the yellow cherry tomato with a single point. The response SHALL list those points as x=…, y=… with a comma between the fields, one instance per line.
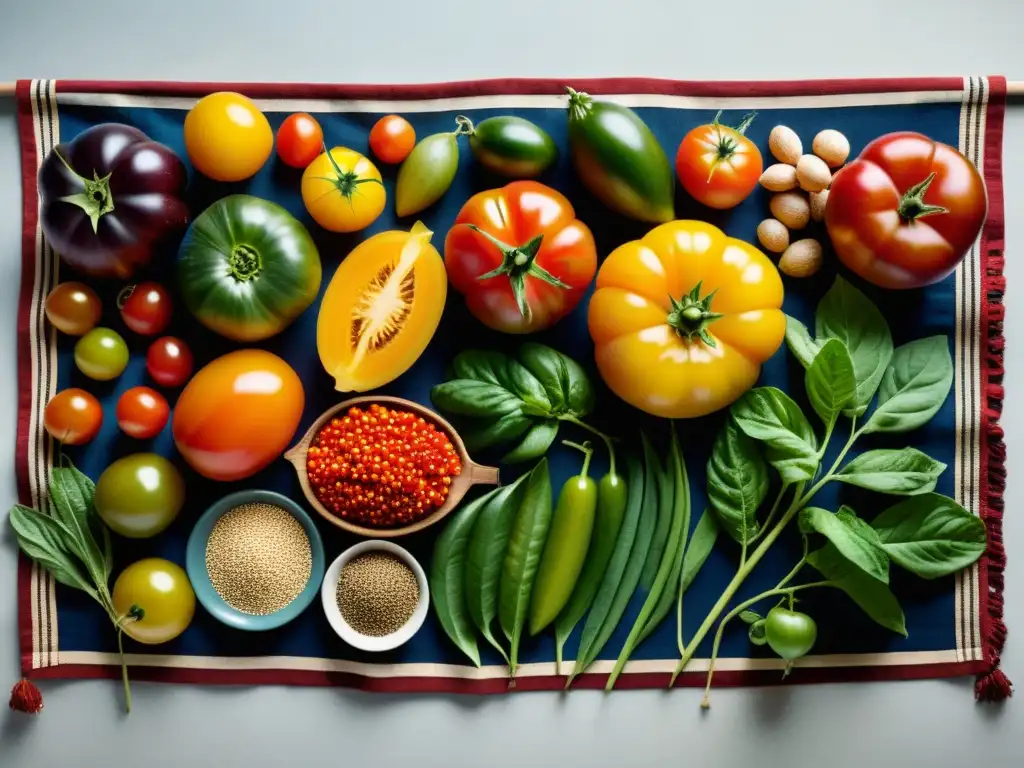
x=683, y=319
x=157, y=598
x=343, y=191
x=227, y=137
x=381, y=309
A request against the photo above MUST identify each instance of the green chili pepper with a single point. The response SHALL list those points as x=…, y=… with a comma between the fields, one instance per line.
x=567, y=545
x=611, y=508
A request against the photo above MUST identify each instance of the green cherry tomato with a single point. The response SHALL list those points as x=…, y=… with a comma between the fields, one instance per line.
x=427, y=173
x=101, y=354
x=790, y=634
x=158, y=599
x=139, y=495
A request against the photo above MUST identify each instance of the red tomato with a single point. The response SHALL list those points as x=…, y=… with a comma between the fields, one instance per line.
x=238, y=414
x=300, y=140
x=904, y=213
x=520, y=257
x=392, y=139
x=169, y=361
x=718, y=165
x=73, y=416
x=142, y=412
x=146, y=308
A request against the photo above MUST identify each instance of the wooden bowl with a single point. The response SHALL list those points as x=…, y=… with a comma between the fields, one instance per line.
x=472, y=473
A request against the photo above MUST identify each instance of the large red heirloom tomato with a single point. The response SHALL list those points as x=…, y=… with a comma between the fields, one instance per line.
x=904, y=213
x=520, y=257
x=238, y=414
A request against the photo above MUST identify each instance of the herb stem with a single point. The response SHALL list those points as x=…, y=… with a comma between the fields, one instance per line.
x=738, y=579
x=705, y=702
x=771, y=513
x=608, y=441
x=124, y=670
x=796, y=568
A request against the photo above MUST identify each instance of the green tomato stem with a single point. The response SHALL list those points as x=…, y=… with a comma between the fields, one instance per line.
x=705, y=702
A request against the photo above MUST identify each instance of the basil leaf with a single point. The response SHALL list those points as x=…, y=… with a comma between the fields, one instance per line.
x=931, y=535
x=850, y=544
x=905, y=472
x=467, y=397
x=564, y=380
x=72, y=495
x=858, y=526
x=534, y=444
x=848, y=315
x=830, y=382
x=800, y=343
x=46, y=541
x=506, y=372
x=749, y=617
x=508, y=427
x=770, y=415
x=873, y=597
x=737, y=482
x=914, y=387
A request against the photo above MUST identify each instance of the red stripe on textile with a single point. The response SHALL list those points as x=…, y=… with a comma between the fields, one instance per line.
x=500, y=685
x=30, y=213
x=519, y=86
x=992, y=684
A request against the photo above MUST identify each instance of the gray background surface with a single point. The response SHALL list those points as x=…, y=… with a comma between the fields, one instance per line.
x=933, y=723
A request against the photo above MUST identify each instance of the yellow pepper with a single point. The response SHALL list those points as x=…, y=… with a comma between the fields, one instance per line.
x=683, y=318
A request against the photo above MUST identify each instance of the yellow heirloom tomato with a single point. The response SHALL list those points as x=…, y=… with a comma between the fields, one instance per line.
x=683, y=318
x=227, y=137
x=343, y=191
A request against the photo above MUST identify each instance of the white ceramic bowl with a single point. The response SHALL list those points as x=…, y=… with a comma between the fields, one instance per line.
x=328, y=595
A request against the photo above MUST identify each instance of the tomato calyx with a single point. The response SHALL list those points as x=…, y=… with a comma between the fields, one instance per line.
x=579, y=104
x=244, y=263
x=912, y=204
x=346, y=182
x=725, y=142
x=518, y=262
x=691, y=315
x=95, y=198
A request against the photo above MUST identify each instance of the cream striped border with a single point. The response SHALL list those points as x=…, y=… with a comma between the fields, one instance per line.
x=496, y=671
x=973, y=99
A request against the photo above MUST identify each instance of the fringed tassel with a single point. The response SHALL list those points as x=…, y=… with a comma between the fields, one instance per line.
x=25, y=697
x=994, y=685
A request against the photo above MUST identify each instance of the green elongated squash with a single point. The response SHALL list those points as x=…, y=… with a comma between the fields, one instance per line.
x=619, y=159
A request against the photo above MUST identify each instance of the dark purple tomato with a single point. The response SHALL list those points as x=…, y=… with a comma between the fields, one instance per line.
x=108, y=197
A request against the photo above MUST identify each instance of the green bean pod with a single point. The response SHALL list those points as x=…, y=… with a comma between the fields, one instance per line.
x=611, y=508
x=566, y=547
x=525, y=545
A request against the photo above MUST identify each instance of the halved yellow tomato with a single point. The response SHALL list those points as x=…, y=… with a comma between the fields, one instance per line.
x=683, y=318
x=343, y=191
x=381, y=309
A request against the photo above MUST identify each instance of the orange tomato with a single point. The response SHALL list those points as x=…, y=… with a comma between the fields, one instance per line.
x=238, y=414
x=73, y=416
x=392, y=139
x=227, y=137
x=718, y=165
x=299, y=140
x=73, y=308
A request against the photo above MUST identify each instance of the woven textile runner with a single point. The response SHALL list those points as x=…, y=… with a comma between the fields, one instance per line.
x=955, y=624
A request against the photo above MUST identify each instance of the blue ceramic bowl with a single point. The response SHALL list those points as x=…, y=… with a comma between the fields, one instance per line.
x=195, y=563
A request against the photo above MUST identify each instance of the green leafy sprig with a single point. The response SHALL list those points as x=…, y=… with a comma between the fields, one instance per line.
x=849, y=359
x=70, y=541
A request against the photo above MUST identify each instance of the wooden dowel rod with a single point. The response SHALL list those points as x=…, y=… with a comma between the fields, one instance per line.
x=1014, y=88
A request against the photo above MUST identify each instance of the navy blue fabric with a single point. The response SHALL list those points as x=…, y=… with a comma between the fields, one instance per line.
x=928, y=605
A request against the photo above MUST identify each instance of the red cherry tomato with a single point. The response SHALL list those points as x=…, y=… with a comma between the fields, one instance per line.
x=905, y=212
x=142, y=412
x=169, y=361
x=718, y=165
x=392, y=139
x=146, y=309
x=300, y=140
x=73, y=416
